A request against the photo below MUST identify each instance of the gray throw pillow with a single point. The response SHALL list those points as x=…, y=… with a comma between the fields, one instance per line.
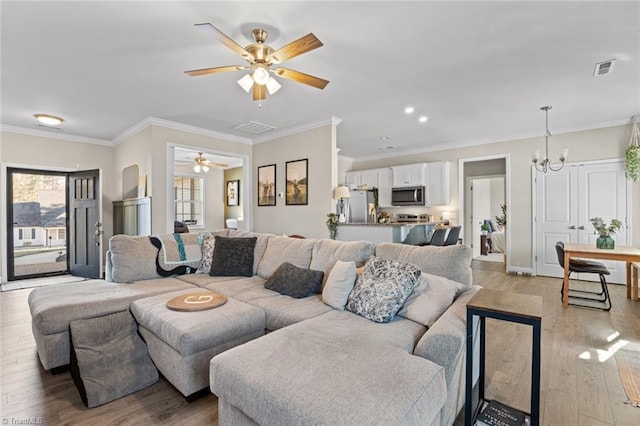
x=233, y=257
x=382, y=288
x=296, y=282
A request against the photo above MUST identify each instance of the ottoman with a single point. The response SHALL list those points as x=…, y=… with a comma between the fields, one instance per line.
x=181, y=344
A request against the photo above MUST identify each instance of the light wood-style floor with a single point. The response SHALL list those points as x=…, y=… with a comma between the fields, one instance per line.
x=580, y=381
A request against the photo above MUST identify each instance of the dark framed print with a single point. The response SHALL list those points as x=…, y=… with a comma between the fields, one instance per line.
x=233, y=192
x=297, y=182
x=267, y=185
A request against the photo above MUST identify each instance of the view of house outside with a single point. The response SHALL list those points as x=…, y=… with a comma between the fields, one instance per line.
x=39, y=224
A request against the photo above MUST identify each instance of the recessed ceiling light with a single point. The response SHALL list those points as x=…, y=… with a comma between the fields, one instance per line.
x=382, y=148
x=49, y=120
x=384, y=138
x=423, y=119
x=409, y=110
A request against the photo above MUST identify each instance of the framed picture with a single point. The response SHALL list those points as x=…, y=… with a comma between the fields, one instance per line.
x=267, y=185
x=233, y=192
x=297, y=183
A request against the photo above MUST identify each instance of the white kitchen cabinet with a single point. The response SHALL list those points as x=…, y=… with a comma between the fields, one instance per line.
x=378, y=178
x=352, y=180
x=385, y=183
x=408, y=175
x=438, y=183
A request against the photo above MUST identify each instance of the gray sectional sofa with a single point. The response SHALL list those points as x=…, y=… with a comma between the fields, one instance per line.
x=312, y=364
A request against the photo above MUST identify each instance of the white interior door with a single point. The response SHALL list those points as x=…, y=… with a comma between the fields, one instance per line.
x=603, y=193
x=566, y=201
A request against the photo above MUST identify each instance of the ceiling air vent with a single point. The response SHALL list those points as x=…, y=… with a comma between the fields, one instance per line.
x=603, y=68
x=253, y=127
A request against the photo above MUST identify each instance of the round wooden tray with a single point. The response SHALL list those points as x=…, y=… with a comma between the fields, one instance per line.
x=200, y=301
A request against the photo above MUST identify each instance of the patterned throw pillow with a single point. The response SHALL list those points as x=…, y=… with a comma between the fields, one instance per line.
x=382, y=288
x=233, y=257
x=208, y=245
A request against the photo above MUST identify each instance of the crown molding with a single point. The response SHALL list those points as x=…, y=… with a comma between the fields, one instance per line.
x=465, y=144
x=53, y=135
x=153, y=121
x=334, y=121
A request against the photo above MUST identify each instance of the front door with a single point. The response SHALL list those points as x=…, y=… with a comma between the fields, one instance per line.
x=566, y=201
x=85, y=227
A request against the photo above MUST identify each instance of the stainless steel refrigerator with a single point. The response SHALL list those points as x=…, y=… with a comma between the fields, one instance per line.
x=359, y=206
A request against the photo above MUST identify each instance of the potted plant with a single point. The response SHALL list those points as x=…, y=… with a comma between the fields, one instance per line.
x=632, y=155
x=502, y=219
x=332, y=225
x=604, y=232
x=484, y=228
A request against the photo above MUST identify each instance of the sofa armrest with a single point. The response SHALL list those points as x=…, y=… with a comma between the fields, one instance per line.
x=445, y=344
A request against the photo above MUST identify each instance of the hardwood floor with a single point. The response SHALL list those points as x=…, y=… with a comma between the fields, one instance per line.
x=580, y=380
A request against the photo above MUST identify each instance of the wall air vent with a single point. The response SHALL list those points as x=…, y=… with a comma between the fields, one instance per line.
x=603, y=68
x=253, y=127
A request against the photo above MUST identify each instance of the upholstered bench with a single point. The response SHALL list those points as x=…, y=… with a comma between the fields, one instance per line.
x=181, y=344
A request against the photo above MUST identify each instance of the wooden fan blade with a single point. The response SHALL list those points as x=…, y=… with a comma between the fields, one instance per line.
x=301, y=77
x=259, y=92
x=295, y=48
x=209, y=163
x=226, y=40
x=215, y=70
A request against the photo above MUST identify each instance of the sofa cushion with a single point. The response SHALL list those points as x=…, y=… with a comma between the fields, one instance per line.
x=453, y=262
x=282, y=311
x=284, y=249
x=334, y=369
x=111, y=360
x=431, y=296
x=381, y=290
x=327, y=252
x=339, y=284
x=132, y=258
x=261, y=244
x=202, y=280
x=233, y=257
x=296, y=282
x=54, y=307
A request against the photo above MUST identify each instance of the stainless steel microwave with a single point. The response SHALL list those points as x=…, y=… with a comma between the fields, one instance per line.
x=408, y=196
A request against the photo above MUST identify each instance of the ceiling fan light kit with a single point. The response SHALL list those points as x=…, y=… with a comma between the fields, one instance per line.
x=260, y=58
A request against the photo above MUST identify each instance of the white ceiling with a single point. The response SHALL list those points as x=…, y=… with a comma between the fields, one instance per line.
x=478, y=70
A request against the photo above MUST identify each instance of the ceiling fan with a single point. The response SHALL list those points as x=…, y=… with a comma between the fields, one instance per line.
x=261, y=57
x=203, y=165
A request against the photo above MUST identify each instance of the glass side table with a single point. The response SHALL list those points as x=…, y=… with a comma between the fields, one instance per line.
x=514, y=307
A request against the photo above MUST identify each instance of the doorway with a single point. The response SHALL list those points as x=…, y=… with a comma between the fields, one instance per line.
x=53, y=223
x=487, y=196
x=485, y=167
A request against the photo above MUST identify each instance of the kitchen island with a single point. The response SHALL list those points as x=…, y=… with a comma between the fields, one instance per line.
x=414, y=233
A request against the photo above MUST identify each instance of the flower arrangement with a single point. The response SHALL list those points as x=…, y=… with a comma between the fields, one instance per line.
x=602, y=229
x=604, y=232
x=332, y=225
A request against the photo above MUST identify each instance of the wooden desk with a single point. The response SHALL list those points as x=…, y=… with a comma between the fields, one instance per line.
x=589, y=251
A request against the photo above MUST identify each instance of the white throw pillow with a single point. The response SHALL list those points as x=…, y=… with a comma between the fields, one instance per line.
x=339, y=284
x=431, y=296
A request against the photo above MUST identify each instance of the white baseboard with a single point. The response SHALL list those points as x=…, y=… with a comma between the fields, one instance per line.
x=521, y=271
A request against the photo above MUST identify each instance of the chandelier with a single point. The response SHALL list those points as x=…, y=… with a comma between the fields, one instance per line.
x=545, y=164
